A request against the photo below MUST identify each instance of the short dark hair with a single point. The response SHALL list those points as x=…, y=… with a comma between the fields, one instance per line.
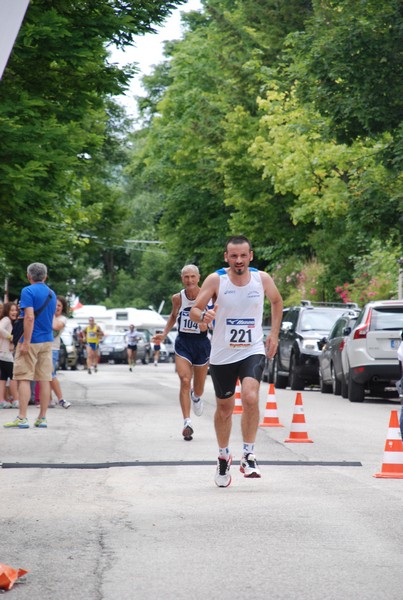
x=238, y=239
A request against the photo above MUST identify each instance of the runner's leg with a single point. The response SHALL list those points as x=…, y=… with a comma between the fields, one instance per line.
x=185, y=372
x=250, y=403
x=199, y=378
x=223, y=420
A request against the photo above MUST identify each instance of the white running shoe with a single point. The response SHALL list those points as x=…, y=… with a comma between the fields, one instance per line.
x=64, y=403
x=197, y=404
x=249, y=466
x=188, y=432
x=222, y=477
x=5, y=404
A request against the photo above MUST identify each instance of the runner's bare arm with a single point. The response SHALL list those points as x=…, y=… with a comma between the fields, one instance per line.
x=176, y=302
x=209, y=289
x=276, y=303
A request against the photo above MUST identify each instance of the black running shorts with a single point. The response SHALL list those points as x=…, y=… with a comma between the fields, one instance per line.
x=224, y=377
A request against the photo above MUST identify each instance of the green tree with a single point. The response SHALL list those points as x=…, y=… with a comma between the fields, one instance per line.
x=197, y=164
x=53, y=114
x=349, y=64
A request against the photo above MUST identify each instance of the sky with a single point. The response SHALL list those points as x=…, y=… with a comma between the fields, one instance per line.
x=148, y=51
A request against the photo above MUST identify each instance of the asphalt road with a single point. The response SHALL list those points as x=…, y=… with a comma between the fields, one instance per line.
x=109, y=502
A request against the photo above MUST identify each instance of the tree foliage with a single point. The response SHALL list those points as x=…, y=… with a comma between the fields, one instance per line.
x=277, y=120
x=282, y=121
x=54, y=117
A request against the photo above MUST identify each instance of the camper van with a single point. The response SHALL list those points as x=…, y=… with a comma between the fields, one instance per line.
x=119, y=319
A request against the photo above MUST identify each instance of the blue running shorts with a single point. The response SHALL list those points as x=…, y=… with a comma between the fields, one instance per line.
x=193, y=348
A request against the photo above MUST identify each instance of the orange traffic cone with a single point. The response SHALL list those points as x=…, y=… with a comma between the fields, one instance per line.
x=238, y=410
x=8, y=576
x=392, y=466
x=298, y=431
x=270, y=418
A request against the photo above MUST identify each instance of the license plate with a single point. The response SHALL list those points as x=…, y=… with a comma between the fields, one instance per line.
x=105, y=352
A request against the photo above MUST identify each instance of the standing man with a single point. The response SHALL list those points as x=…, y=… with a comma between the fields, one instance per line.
x=192, y=348
x=93, y=334
x=33, y=358
x=237, y=349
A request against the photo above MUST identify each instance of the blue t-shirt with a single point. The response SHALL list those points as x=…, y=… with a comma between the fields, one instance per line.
x=34, y=296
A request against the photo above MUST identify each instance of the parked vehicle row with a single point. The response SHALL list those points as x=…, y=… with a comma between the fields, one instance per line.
x=112, y=348
x=345, y=350
x=297, y=360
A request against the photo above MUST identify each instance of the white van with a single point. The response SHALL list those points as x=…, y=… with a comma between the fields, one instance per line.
x=119, y=319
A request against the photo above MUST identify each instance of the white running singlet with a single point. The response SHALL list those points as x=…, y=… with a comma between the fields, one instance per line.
x=184, y=323
x=238, y=329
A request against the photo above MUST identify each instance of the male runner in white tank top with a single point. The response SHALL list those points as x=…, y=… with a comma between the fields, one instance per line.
x=237, y=349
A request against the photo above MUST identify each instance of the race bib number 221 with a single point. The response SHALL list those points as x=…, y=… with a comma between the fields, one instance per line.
x=239, y=333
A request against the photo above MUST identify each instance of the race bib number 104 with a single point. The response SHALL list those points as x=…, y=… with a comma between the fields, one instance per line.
x=239, y=333
x=186, y=324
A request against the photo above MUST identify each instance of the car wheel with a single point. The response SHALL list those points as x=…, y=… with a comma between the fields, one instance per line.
x=296, y=383
x=356, y=391
x=280, y=381
x=344, y=387
x=325, y=388
x=265, y=376
x=336, y=384
x=146, y=358
x=270, y=376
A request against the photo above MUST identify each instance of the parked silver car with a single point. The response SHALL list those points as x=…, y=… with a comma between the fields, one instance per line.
x=330, y=367
x=369, y=356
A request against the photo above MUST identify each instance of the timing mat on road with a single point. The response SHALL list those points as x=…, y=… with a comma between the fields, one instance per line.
x=175, y=463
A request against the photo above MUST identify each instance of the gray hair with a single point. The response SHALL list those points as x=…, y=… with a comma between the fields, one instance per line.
x=37, y=271
x=190, y=268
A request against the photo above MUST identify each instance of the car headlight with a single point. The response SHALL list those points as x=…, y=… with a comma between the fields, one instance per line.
x=310, y=344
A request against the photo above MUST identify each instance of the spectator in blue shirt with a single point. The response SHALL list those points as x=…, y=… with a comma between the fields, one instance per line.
x=33, y=357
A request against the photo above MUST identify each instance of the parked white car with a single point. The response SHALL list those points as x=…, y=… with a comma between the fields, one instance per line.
x=369, y=357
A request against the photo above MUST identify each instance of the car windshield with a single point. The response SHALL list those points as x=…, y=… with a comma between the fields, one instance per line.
x=319, y=320
x=386, y=319
x=114, y=339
